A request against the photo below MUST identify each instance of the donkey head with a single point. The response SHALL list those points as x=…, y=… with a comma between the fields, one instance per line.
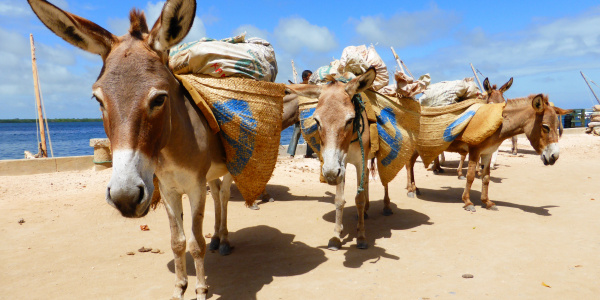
x=496, y=95
x=335, y=114
x=135, y=90
x=541, y=128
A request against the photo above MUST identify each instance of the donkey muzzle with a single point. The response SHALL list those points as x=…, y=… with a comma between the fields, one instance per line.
x=550, y=154
x=130, y=188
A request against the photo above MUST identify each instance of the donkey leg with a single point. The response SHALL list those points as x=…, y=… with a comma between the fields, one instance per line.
x=410, y=173
x=387, y=210
x=437, y=168
x=215, y=189
x=485, y=179
x=225, y=193
x=514, y=145
x=174, y=209
x=335, y=243
x=460, y=166
x=473, y=159
x=361, y=201
x=197, y=242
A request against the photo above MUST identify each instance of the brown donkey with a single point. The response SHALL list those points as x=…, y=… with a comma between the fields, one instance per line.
x=493, y=95
x=532, y=116
x=153, y=126
x=336, y=118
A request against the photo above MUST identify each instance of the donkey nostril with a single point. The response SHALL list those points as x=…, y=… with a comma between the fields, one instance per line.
x=141, y=194
x=108, y=194
x=339, y=171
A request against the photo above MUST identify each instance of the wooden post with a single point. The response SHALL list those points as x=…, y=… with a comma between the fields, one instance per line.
x=401, y=63
x=477, y=77
x=294, y=71
x=588, y=84
x=37, y=97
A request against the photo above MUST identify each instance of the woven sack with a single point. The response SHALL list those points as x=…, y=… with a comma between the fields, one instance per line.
x=441, y=125
x=484, y=123
x=249, y=115
x=397, y=125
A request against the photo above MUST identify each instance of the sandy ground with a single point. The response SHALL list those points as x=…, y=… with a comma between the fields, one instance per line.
x=543, y=243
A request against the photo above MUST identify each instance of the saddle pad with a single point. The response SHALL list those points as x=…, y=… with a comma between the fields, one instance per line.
x=484, y=123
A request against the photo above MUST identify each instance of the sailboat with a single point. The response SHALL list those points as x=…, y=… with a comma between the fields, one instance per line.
x=41, y=121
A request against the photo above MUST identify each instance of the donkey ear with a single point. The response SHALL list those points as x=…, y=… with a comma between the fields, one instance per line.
x=538, y=103
x=361, y=83
x=304, y=90
x=77, y=31
x=486, y=85
x=173, y=25
x=560, y=111
x=506, y=86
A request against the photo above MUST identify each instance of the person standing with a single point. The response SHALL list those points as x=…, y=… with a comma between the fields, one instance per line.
x=296, y=134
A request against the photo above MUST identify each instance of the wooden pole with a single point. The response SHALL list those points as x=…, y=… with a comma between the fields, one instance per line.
x=588, y=84
x=294, y=71
x=397, y=59
x=477, y=77
x=401, y=63
x=37, y=97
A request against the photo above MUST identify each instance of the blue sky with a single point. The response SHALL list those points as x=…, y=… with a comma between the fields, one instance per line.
x=542, y=44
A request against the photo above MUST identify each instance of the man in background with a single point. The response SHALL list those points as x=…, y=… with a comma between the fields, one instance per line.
x=296, y=134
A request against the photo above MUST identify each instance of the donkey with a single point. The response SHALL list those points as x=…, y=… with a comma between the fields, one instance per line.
x=336, y=120
x=493, y=95
x=154, y=126
x=531, y=115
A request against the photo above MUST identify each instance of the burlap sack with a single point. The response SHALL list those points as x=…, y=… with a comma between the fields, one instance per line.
x=441, y=125
x=449, y=92
x=484, y=123
x=233, y=57
x=249, y=115
x=397, y=126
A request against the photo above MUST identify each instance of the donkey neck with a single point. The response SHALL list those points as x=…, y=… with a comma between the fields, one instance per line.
x=515, y=116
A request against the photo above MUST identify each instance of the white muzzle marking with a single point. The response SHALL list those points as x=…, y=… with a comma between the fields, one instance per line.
x=550, y=154
x=334, y=168
x=130, y=186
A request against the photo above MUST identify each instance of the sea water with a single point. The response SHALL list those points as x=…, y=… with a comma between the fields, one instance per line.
x=68, y=138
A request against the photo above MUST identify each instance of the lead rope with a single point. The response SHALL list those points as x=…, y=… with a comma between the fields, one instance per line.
x=359, y=128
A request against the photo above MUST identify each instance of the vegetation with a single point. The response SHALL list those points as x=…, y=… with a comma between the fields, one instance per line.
x=49, y=120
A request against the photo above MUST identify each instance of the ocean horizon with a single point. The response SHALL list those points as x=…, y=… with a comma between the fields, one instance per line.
x=68, y=138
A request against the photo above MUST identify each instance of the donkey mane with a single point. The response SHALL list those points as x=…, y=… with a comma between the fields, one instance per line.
x=139, y=27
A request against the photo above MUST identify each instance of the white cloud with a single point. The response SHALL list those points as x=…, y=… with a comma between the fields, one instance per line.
x=406, y=29
x=15, y=9
x=294, y=34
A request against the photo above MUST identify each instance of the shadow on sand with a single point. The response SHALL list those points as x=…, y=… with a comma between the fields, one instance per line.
x=454, y=195
x=261, y=253
x=377, y=226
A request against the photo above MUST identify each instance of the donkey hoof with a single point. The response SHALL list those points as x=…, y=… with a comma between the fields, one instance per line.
x=362, y=245
x=436, y=172
x=254, y=207
x=225, y=249
x=214, y=243
x=470, y=208
x=387, y=212
x=493, y=207
x=334, y=244
x=410, y=194
x=462, y=177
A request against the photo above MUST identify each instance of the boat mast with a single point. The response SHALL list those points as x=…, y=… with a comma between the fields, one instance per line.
x=588, y=84
x=37, y=97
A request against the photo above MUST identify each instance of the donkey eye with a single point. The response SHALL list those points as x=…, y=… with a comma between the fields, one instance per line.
x=349, y=121
x=158, y=101
x=546, y=128
x=99, y=102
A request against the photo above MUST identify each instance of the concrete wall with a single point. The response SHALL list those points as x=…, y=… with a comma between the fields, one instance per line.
x=45, y=165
